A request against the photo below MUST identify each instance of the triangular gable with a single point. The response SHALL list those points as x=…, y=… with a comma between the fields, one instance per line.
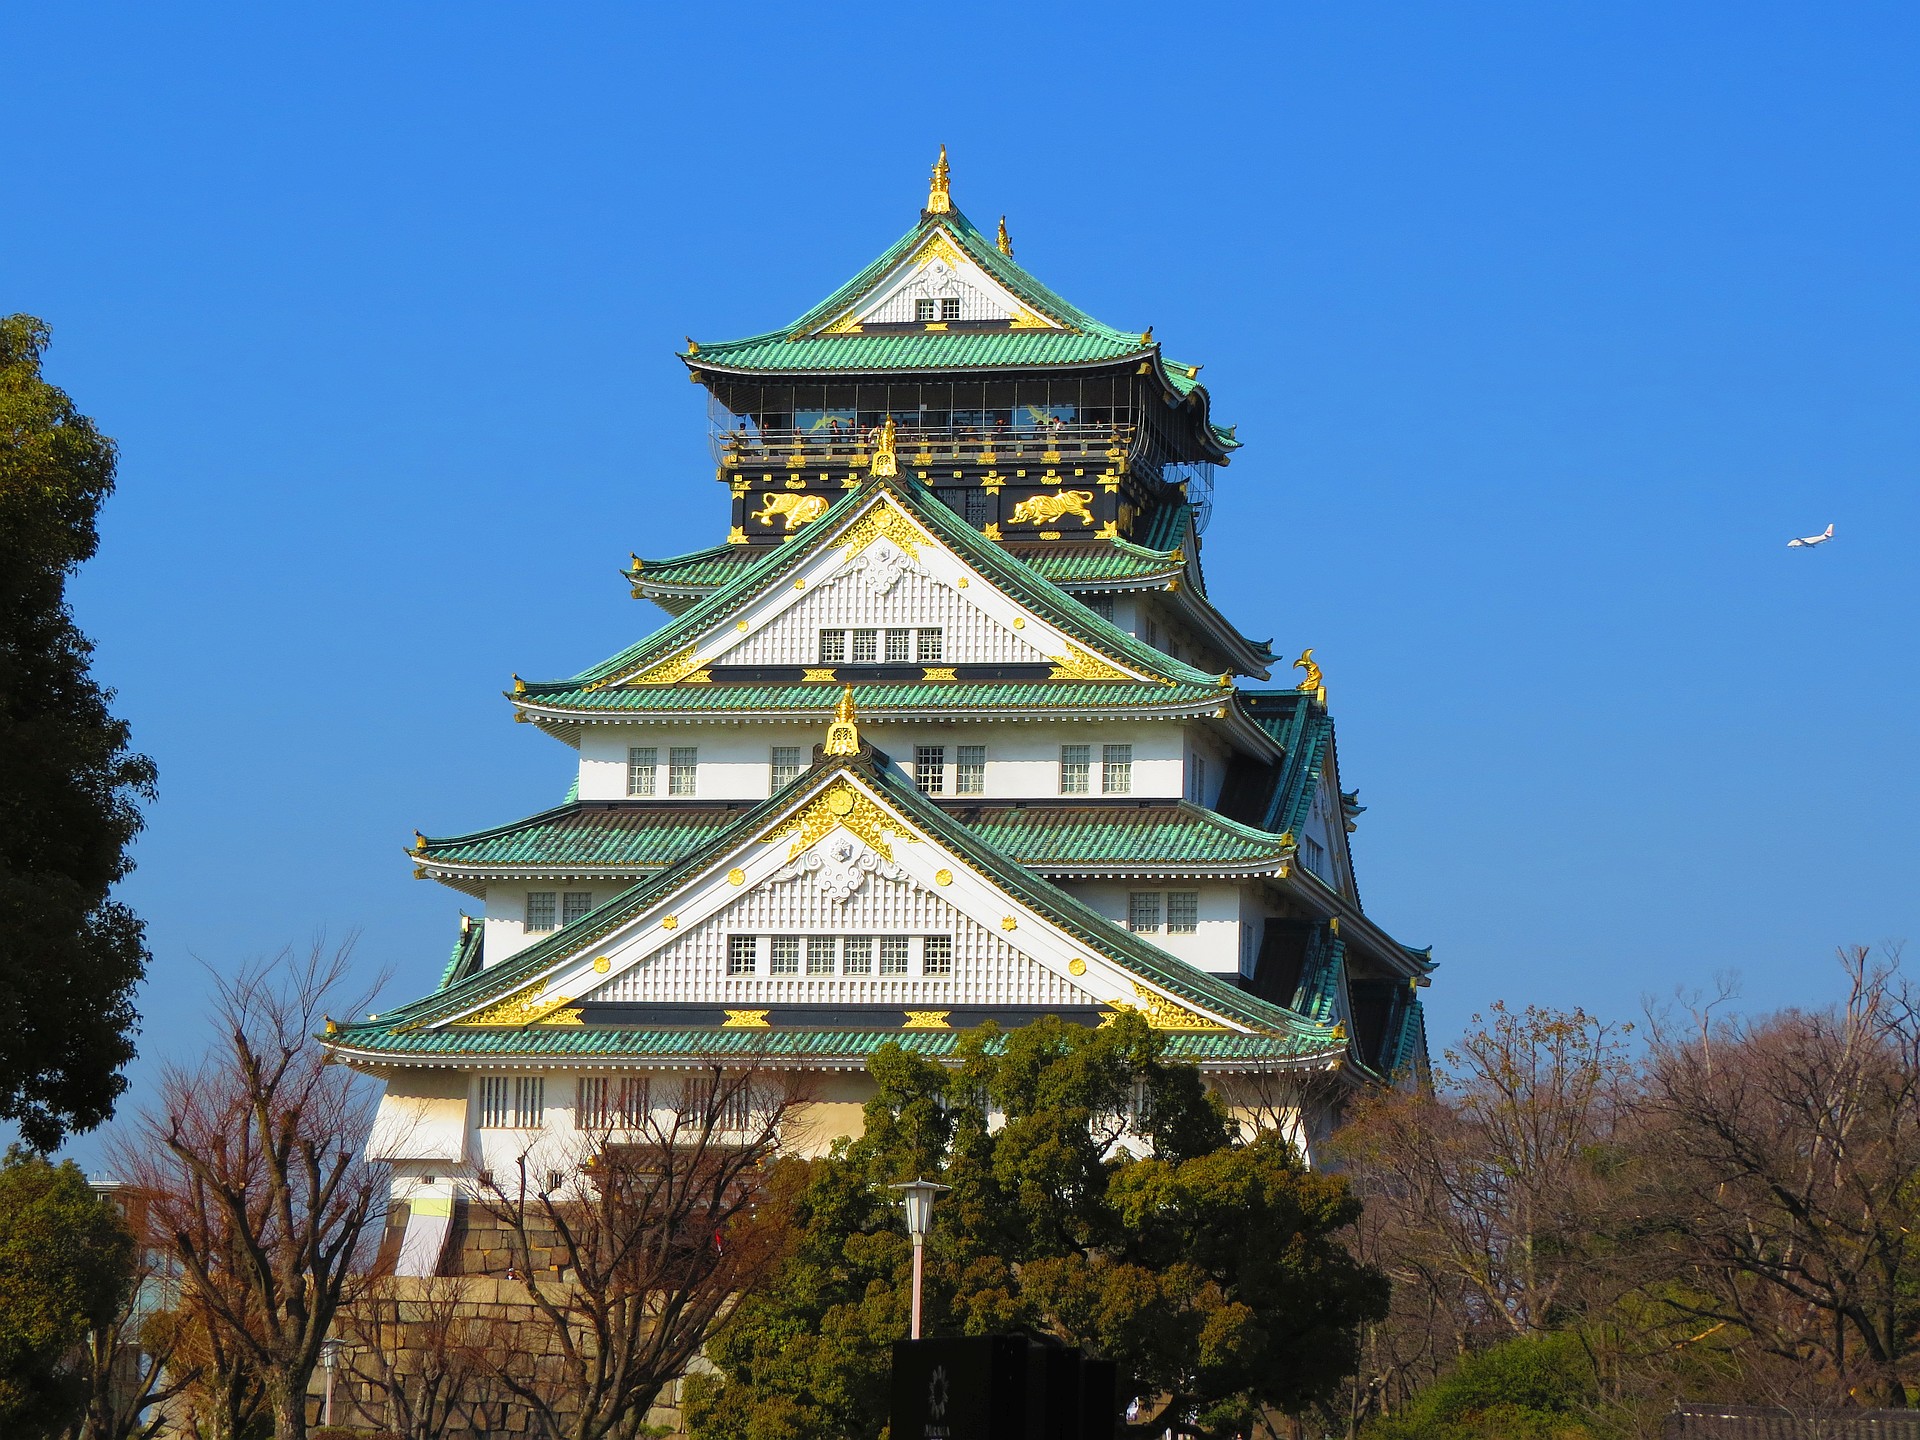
x=1076, y=948
x=937, y=269
x=991, y=585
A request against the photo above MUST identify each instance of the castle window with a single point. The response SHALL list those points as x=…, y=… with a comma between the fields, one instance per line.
x=591, y=1107
x=783, y=955
x=1101, y=605
x=856, y=955
x=893, y=954
x=970, y=769
x=496, y=1103
x=1076, y=765
x=1197, y=780
x=923, y=310
x=976, y=503
x=819, y=955
x=743, y=954
x=1116, y=769
x=636, y=1101
x=788, y=762
x=574, y=905
x=512, y=1102
x=950, y=307
x=936, y=955
x=1314, y=854
x=642, y=762
x=833, y=647
x=930, y=769
x=926, y=645
x=1143, y=912
x=683, y=764
x=898, y=642
x=540, y=909
x=1183, y=912
x=866, y=646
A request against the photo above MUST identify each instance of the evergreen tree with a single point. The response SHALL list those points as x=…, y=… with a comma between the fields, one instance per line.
x=70, y=956
x=1211, y=1270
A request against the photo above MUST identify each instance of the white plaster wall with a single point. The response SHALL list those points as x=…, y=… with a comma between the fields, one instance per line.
x=506, y=914
x=1023, y=759
x=1214, y=946
x=422, y=1118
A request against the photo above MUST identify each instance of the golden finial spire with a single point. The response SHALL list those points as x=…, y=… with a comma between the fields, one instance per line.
x=1314, y=684
x=1006, y=245
x=843, y=735
x=939, y=200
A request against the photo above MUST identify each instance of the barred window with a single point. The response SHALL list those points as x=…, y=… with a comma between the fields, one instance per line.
x=642, y=762
x=591, y=1107
x=1197, y=780
x=923, y=311
x=1183, y=912
x=898, y=642
x=970, y=769
x=636, y=1101
x=819, y=955
x=1116, y=769
x=927, y=645
x=930, y=769
x=833, y=647
x=1101, y=605
x=949, y=307
x=1314, y=854
x=936, y=955
x=730, y=1103
x=1143, y=912
x=866, y=646
x=1076, y=761
x=856, y=955
x=743, y=954
x=495, y=1102
x=788, y=762
x=893, y=954
x=540, y=911
x=529, y=1101
x=783, y=955
x=977, y=509
x=574, y=905
x=1140, y=1108
x=683, y=766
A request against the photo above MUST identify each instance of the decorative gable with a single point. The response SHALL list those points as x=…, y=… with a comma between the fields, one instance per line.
x=954, y=286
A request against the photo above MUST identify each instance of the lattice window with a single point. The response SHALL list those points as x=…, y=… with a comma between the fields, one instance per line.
x=783, y=955
x=949, y=307
x=936, y=955
x=1116, y=769
x=930, y=769
x=788, y=762
x=923, y=311
x=899, y=646
x=856, y=955
x=977, y=505
x=743, y=954
x=970, y=769
x=643, y=761
x=1143, y=912
x=1314, y=854
x=1183, y=912
x=819, y=955
x=893, y=954
x=866, y=647
x=1101, y=605
x=833, y=647
x=540, y=909
x=574, y=905
x=1076, y=765
x=926, y=644
x=683, y=769
x=496, y=1102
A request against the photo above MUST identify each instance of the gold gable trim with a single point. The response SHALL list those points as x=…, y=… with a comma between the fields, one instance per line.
x=524, y=1006
x=1078, y=664
x=841, y=804
x=886, y=521
x=670, y=671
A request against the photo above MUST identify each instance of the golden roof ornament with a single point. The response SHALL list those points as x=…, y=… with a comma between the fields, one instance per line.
x=939, y=198
x=843, y=735
x=1146, y=336
x=884, y=461
x=693, y=346
x=1005, y=244
x=1314, y=684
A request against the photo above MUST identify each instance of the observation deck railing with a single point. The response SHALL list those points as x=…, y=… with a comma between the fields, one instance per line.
x=914, y=445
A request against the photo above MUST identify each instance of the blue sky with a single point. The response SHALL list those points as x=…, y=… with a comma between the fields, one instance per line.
x=1545, y=326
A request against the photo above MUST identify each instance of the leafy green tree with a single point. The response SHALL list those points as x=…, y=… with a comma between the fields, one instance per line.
x=1538, y=1387
x=69, y=955
x=66, y=1262
x=1099, y=1196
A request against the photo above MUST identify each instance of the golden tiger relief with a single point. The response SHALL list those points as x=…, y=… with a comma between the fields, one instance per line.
x=1042, y=509
x=799, y=510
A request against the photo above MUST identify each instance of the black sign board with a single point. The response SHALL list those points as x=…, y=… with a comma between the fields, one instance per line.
x=1000, y=1387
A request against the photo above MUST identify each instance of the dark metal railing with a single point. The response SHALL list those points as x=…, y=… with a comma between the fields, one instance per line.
x=971, y=445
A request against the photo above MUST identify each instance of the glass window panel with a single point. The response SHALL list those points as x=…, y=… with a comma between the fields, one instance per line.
x=819, y=955
x=1076, y=763
x=540, y=909
x=1143, y=912
x=743, y=954
x=893, y=954
x=683, y=765
x=930, y=769
x=936, y=955
x=856, y=955
x=970, y=770
x=927, y=645
x=866, y=646
x=574, y=905
x=642, y=762
x=1116, y=769
x=898, y=646
x=788, y=762
x=783, y=955
x=833, y=647
x=1183, y=912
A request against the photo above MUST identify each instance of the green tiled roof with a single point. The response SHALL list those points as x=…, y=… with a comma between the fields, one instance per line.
x=593, y=688
x=587, y=1042
x=711, y=568
x=1179, y=979
x=1064, y=565
x=875, y=701
x=639, y=836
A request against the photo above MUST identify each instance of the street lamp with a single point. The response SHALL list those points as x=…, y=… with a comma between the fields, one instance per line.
x=917, y=1196
x=329, y=1357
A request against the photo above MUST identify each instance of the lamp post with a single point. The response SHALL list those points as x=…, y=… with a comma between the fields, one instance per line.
x=329, y=1357
x=917, y=1196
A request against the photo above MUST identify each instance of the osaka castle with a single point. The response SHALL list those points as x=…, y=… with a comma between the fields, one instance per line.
x=945, y=730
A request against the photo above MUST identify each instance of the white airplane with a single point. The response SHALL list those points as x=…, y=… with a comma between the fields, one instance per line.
x=1807, y=542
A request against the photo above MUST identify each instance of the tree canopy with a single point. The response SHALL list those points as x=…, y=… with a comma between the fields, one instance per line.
x=1099, y=1196
x=70, y=955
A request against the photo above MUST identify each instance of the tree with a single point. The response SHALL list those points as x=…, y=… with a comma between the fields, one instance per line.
x=134, y=1359
x=633, y=1245
x=66, y=1264
x=1099, y=1196
x=417, y=1348
x=1786, y=1152
x=252, y=1165
x=70, y=956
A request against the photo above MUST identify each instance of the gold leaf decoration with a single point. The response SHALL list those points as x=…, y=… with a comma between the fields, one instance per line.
x=1078, y=664
x=745, y=1020
x=1165, y=1014
x=885, y=521
x=927, y=1020
x=523, y=1007
x=670, y=671
x=843, y=805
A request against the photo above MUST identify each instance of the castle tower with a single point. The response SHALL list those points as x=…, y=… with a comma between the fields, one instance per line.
x=946, y=730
